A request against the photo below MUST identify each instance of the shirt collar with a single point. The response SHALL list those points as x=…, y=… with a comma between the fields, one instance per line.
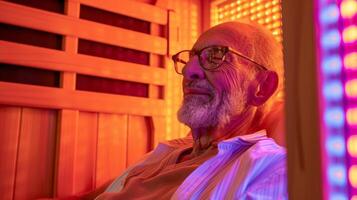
x=228, y=144
x=237, y=142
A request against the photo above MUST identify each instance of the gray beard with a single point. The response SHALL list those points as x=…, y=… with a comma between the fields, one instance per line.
x=199, y=111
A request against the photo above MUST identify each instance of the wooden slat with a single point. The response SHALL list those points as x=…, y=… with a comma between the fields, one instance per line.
x=67, y=25
x=132, y=9
x=112, y=143
x=85, y=157
x=27, y=55
x=173, y=33
x=37, y=96
x=36, y=154
x=68, y=122
x=10, y=129
x=68, y=129
x=139, y=138
x=158, y=129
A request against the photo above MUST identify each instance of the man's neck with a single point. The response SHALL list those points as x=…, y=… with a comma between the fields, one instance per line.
x=206, y=137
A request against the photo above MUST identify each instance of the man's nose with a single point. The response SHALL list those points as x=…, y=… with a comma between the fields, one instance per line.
x=193, y=70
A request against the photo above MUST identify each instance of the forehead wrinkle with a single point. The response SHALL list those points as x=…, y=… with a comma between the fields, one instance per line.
x=226, y=37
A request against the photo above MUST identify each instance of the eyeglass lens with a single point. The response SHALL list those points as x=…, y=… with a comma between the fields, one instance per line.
x=210, y=58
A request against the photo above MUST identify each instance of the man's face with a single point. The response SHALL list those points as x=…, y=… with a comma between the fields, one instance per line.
x=211, y=98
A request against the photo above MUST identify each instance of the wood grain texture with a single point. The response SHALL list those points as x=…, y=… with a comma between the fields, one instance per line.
x=66, y=25
x=85, y=153
x=68, y=121
x=66, y=152
x=158, y=129
x=134, y=9
x=139, y=138
x=36, y=96
x=112, y=145
x=20, y=54
x=36, y=154
x=10, y=129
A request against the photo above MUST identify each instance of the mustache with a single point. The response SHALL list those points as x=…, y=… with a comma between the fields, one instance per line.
x=200, y=84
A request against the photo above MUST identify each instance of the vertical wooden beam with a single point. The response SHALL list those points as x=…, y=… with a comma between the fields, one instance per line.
x=157, y=125
x=206, y=15
x=86, y=153
x=112, y=147
x=9, y=139
x=138, y=140
x=35, y=160
x=302, y=123
x=68, y=120
x=66, y=148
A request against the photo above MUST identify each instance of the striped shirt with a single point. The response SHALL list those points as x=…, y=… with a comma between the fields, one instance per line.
x=245, y=167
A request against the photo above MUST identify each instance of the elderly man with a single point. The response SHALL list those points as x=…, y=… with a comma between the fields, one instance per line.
x=228, y=77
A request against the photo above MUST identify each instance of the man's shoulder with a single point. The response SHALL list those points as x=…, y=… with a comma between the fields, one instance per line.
x=266, y=147
x=265, y=151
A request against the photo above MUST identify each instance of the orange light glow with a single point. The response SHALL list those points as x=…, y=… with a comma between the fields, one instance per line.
x=350, y=34
x=348, y=8
x=350, y=61
x=352, y=116
x=275, y=9
x=267, y=5
x=354, y=197
x=351, y=88
x=276, y=16
x=275, y=2
x=267, y=13
x=260, y=7
x=352, y=175
x=352, y=145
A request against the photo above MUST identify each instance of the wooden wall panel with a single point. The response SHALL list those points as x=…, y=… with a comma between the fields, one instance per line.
x=65, y=25
x=92, y=147
x=112, y=144
x=131, y=8
x=36, y=96
x=158, y=129
x=10, y=129
x=139, y=138
x=66, y=151
x=18, y=54
x=35, y=164
x=85, y=157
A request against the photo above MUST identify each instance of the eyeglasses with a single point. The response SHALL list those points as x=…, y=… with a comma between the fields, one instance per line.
x=210, y=58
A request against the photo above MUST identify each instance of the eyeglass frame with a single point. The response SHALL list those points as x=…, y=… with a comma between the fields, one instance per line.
x=226, y=50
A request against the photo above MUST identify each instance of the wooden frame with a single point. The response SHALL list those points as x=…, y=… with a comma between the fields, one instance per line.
x=302, y=117
x=39, y=57
x=45, y=97
x=67, y=25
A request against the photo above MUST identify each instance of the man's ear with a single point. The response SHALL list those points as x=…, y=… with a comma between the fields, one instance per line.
x=267, y=83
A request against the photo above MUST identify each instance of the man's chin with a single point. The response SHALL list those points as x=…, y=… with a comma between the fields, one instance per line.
x=195, y=116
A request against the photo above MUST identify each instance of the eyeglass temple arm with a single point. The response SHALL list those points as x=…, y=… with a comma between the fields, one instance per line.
x=245, y=57
x=176, y=59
